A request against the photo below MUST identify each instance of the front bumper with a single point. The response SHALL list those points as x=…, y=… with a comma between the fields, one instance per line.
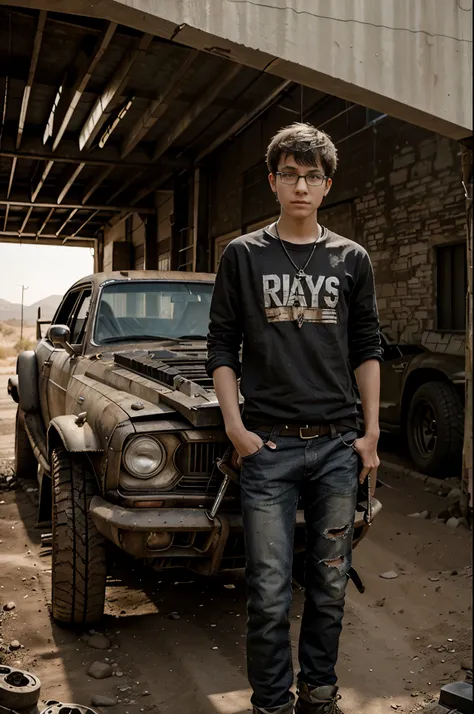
x=132, y=528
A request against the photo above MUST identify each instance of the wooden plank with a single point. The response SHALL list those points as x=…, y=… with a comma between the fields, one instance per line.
x=467, y=450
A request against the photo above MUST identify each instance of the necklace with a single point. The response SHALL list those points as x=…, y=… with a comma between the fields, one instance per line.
x=300, y=272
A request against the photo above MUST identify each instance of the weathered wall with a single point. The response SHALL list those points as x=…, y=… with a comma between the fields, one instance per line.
x=408, y=58
x=397, y=192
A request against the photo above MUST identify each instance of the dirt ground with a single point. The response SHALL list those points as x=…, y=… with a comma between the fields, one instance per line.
x=402, y=640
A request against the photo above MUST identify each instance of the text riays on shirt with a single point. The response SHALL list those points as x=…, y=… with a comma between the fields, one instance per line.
x=280, y=291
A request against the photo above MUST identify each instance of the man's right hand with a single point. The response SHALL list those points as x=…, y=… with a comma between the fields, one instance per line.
x=247, y=443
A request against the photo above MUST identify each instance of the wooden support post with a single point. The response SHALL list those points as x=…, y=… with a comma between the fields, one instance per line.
x=201, y=253
x=151, y=241
x=467, y=450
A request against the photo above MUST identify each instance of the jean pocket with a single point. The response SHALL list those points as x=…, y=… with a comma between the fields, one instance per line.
x=255, y=453
x=349, y=439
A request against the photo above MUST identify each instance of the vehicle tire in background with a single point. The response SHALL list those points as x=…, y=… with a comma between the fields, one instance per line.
x=435, y=428
x=26, y=465
x=79, y=569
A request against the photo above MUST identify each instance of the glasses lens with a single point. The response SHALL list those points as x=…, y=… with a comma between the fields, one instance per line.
x=289, y=178
x=314, y=180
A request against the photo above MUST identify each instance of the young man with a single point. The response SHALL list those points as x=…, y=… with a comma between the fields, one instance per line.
x=302, y=300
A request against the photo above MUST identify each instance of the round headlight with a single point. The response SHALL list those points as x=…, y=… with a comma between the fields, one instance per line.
x=144, y=457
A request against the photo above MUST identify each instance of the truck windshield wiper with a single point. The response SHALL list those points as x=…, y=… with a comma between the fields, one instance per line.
x=137, y=338
x=192, y=337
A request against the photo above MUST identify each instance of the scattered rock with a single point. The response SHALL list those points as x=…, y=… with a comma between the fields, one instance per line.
x=452, y=522
x=118, y=673
x=390, y=575
x=174, y=616
x=99, y=642
x=100, y=670
x=231, y=586
x=422, y=514
x=380, y=603
x=454, y=494
x=99, y=700
x=14, y=645
x=466, y=664
x=444, y=515
x=9, y=606
x=433, y=579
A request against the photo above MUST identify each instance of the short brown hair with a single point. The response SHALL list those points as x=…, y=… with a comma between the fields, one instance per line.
x=306, y=144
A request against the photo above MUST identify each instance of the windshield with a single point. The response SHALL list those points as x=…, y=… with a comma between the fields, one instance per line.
x=149, y=310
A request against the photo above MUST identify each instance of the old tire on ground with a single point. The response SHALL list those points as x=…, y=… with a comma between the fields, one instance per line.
x=435, y=428
x=79, y=556
x=18, y=689
x=26, y=465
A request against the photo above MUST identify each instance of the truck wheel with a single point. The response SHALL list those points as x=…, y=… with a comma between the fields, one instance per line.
x=435, y=429
x=79, y=556
x=26, y=465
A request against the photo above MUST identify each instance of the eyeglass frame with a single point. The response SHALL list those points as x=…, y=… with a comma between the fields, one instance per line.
x=301, y=176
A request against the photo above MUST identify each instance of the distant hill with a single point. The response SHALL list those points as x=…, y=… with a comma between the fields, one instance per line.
x=12, y=311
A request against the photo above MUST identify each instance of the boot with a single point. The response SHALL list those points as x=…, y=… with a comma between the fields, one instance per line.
x=317, y=700
x=284, y=709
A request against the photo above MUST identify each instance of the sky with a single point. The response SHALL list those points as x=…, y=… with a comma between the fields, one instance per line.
x=45, y=269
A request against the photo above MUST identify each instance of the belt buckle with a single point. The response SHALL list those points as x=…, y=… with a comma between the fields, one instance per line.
x=306, y=438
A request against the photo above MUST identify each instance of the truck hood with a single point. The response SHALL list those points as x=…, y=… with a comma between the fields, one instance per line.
x=159, y=381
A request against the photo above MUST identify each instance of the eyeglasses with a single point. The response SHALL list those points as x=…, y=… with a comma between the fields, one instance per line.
x=290, y=178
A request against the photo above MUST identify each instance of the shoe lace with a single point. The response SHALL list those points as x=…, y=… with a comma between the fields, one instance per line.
x=333, y=707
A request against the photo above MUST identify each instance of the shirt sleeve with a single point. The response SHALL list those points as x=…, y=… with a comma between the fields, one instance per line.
x=225, y=329
x=364, y=328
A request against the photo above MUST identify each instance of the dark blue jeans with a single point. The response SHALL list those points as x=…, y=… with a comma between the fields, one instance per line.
x=324, y=472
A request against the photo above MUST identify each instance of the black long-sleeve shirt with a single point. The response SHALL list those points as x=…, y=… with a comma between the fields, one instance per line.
x=301, y=336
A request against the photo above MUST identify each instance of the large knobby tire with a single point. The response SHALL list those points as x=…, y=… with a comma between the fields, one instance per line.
x=26, y=465
x=79, y=556
x=435, y=429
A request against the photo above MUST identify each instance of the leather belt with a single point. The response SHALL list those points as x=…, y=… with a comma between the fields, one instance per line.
x=306, y=431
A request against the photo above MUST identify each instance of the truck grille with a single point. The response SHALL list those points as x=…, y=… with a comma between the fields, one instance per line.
x=197, y=464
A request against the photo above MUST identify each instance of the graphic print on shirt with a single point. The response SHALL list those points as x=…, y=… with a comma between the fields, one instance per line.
x=300, y=300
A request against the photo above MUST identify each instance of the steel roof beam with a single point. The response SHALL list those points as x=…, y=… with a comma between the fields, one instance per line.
x=106, y=101
x=81, y=83
x=246, y=119
x=12, y=174
x=157, y=107
x=202, y=103
x=76, y=157
x=43, y=225
x=27, y=218
x=69, y=182
x=96, y=182
x=31, y=76
x=44, y=176
x=107, y=209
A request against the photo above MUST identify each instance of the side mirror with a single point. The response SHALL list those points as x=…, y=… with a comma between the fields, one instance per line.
x=59, y=336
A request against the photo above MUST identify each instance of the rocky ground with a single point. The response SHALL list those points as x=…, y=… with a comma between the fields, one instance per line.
x=172, y=643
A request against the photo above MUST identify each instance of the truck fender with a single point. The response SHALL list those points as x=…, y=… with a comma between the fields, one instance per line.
x=74, y=437
x=27, y=371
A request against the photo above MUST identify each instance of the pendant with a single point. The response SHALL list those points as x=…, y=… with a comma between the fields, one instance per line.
x=301, y=274
x=300, y=320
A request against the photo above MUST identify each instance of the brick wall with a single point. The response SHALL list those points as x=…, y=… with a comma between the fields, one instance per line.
x=416, y=204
